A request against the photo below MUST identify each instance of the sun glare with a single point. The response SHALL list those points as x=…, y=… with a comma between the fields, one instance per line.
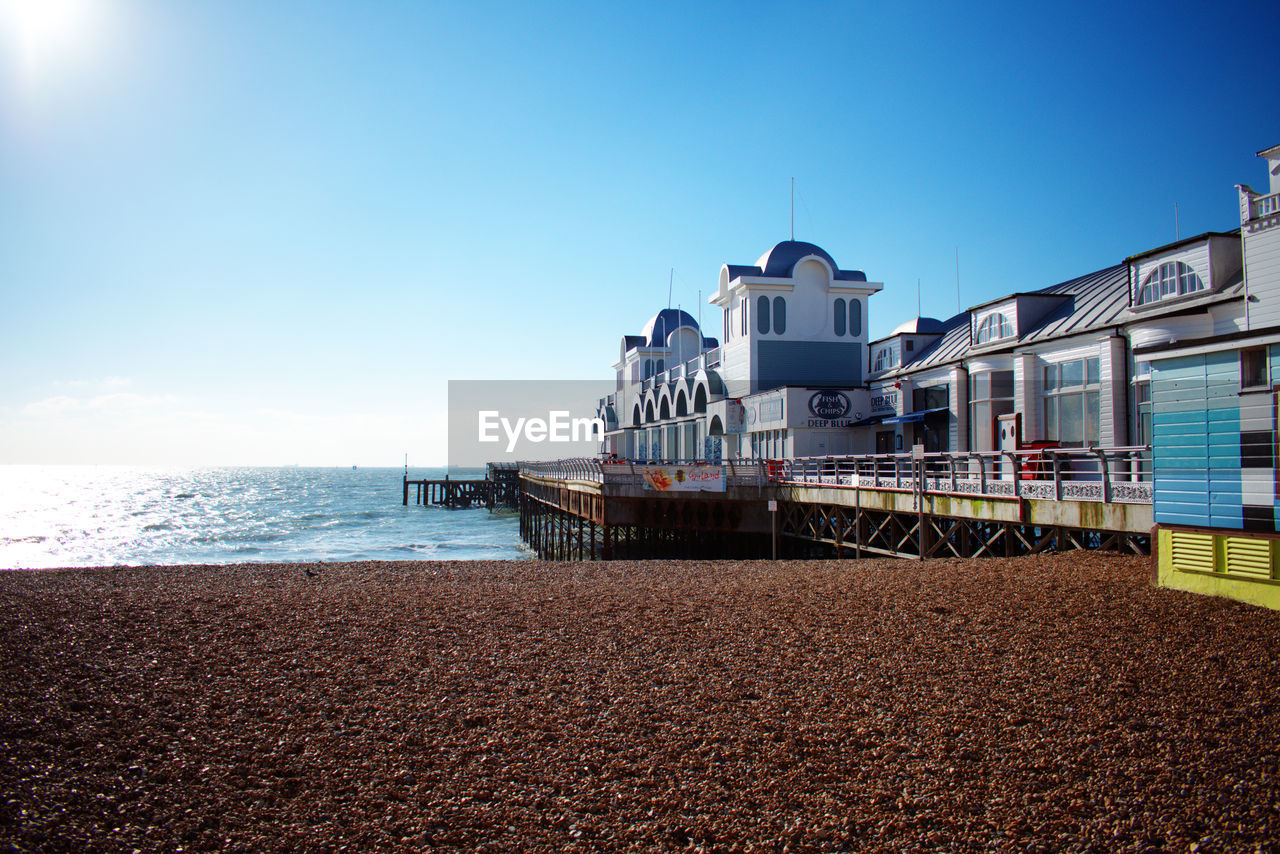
x=47, y=36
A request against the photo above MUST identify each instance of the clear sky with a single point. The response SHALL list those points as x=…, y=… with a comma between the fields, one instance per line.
x=269, y=232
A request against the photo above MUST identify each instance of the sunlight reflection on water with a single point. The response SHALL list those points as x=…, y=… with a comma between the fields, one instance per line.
x=106, y=515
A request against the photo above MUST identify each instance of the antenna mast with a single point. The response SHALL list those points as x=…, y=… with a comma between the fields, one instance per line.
x=670, y=277
x=1177, y=226
x=793, y=208
x=959, y=308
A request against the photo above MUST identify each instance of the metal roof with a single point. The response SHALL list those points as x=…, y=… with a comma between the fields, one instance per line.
x=1097, y=301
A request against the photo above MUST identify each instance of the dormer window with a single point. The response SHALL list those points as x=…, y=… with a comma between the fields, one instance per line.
x=1170, y=279
x=994, y=327
x=883, y=360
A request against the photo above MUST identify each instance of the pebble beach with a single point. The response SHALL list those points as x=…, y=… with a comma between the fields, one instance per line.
x=1055, y=703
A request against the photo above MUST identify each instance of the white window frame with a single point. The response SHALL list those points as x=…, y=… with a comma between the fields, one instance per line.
x=1168, y=280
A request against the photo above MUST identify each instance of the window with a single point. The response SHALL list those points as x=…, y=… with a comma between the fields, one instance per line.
x=993, y=328
x=855, y=317
x=990, y=396
x=1253, y=368
x=648, y=368
x=1142, y=403
x=910, y=344
x=662, y=365
x=931, y=397
x=839, y=316
x=779, y=315
x=762, y=315
x=742, y=326
x=1071, y=413
x=725, y=317
x=884, y=359
x=1171, y=279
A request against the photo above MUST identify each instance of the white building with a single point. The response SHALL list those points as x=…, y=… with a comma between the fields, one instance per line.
x=794, y=375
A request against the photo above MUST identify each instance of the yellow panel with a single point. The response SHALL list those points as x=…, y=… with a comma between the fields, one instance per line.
x=1249, y=556
x=1191, y=552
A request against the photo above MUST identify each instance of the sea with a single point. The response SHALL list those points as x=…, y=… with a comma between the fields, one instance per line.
x=78, y=516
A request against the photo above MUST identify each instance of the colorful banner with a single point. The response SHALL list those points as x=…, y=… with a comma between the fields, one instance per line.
x=694, y=478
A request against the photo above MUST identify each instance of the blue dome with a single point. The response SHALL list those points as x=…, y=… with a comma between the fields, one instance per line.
x=920, y=326
x=662, y=324
x=779, y=261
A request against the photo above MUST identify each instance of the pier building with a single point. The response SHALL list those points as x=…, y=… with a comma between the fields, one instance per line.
x=1214, y=410
x=1135, y=406
x=786, y=378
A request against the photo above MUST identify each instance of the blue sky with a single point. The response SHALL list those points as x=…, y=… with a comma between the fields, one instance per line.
x=270, y=232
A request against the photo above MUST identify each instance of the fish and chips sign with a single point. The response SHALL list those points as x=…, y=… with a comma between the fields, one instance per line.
x=692, y=478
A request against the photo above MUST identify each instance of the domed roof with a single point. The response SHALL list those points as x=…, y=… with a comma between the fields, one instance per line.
x=781, y=259
x=662, y=324
x=919, y=326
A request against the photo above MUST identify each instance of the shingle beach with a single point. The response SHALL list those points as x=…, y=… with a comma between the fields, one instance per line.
x=1035, y=704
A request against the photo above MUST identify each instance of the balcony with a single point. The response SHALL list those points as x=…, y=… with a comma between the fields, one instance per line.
x=1265, y=206
x=1257, y=211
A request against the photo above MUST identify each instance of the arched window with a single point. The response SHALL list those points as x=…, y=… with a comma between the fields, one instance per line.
x=648, y=368
x=839, y=316
x=779, y=315
x=762, y=315
x=855, y=317
x=1171, y=279
x=662, y=365
x=884, y=359
x=993, y=328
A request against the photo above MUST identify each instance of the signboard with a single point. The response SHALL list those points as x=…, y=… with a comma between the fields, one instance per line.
x=884, y=402
x=773, y=506
x=830, y=408
x=735, y=417
x=771, y=409
x=829, y=404
x=692, y=478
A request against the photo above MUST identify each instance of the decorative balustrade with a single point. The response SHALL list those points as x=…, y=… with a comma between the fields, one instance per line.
x=628, y=472
x=1119, y=475
x=1111, y=475
x=1264, y=206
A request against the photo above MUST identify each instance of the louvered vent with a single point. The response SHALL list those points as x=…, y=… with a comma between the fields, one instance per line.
x=1248, y=556
x=1191, y=552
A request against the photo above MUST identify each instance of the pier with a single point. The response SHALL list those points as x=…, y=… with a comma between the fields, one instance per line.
x=896, y=505
x=498, y=489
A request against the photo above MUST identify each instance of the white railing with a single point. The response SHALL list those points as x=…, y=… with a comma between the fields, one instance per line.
x=1120, y=475
x=628, y=472
x=1264, y=206
x=1109, y=475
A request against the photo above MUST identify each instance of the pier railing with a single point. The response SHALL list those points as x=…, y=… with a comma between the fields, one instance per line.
x=630, y=472
x=1120, y=475
x=1110, y=475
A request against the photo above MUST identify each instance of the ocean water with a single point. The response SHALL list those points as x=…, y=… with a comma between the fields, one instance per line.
x=108, y=515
